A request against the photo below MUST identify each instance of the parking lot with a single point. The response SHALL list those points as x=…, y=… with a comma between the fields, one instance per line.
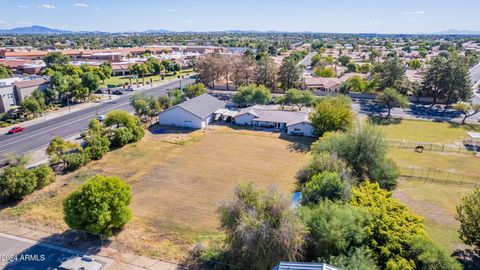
x=20, y=253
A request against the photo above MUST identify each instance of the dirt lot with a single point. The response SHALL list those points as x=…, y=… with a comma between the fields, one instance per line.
x=178, y=180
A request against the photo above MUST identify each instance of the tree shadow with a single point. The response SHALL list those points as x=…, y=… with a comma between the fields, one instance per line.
x=298, y=144
x=384, y=121
x=49, y=252
x=433, y=113
x=157, y=129
x=468, y=258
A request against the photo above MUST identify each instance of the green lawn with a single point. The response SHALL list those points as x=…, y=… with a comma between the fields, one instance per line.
x=120, y=80
x=426, y=131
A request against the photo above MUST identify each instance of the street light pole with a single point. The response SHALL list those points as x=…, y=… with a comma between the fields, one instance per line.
x=68, y=103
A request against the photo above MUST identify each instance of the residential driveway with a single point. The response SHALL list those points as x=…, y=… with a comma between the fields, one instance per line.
x=20, y=253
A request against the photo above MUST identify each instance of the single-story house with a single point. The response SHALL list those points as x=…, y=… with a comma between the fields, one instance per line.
x=290, y=122
x=196, y=113
x=323, y=84
x=303, y=266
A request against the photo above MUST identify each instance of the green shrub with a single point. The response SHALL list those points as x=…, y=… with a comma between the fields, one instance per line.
x=335, y=229
x=75, y=161
x=99, y=206
x=428, y=256
x=468, y=213
x=97, y=147
x=16, y=182
x=122, y=136
x=325, y=185
x=45, y=175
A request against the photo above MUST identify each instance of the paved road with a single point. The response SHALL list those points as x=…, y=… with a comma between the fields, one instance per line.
x=39, y=135
x=307, y=61
x=475, y=78
x=415, y=111
x=19, y=253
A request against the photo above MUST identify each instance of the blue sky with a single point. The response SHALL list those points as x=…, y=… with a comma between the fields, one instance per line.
x=381, y=16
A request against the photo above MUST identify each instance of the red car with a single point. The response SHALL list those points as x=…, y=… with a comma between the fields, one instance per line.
x=16, y=130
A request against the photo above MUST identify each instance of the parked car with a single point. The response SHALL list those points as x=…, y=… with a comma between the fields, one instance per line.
x=117, y=92
x=129, y=89
x=16, y=130
x=101, y=117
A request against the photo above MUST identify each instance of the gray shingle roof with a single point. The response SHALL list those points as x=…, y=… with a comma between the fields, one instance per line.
x=276, y=116
x=202, y=106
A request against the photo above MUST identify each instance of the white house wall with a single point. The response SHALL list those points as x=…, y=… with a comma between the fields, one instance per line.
x=306, y=128
x=244, y=119
x=181, y=118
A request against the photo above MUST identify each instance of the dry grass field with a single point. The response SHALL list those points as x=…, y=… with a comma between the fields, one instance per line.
x=435, y=203
x=177, y=180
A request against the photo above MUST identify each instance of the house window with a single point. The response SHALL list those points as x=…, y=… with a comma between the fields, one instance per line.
x=296, y=129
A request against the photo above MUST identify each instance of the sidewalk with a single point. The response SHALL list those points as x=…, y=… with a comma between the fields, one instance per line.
x=81, y=106
x=120, y=260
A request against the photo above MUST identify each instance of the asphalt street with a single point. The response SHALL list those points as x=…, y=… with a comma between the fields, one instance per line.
x=475, y=78
x=18, y=253
x=39, y=135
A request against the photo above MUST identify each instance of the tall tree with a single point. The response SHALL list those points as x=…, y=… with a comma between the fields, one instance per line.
x=243, y=70
x=467, y=109
x=290, y=73
x=390, y=98
x=332, y=114
x=266, y=72
x=392, y=72
x=55, y=60
x=251, y=95
x=448, y=79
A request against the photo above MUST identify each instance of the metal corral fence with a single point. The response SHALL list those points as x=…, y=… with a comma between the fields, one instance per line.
x=436, y=147
x=440, y=176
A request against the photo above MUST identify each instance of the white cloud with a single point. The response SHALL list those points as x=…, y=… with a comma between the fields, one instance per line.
x=374, y=22
x=95, y=7
x=2, y=22
x=82, y=5
x=46, y=6
x=189, y=21
x=24, y=23
x=415, y=12
x=23, y=6
x=171, y=10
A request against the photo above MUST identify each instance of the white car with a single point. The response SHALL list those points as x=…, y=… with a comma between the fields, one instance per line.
x=101, y=117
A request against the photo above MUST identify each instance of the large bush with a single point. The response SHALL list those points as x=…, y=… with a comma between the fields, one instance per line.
x=261, y=229
x=332, y=114
x=325, y=185
x=97, y=146
x=391, y=226
x=16, y=182
x=468, y=213
x=428, y=256
x=99, y=206
x=335, y=229
x=321, y=162
x=45, y=175
x=364, y=151
x=76, y=160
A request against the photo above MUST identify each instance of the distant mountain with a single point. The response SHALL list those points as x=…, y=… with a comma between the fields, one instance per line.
x=459, y=32
x=159, y=31
x=34, y=30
